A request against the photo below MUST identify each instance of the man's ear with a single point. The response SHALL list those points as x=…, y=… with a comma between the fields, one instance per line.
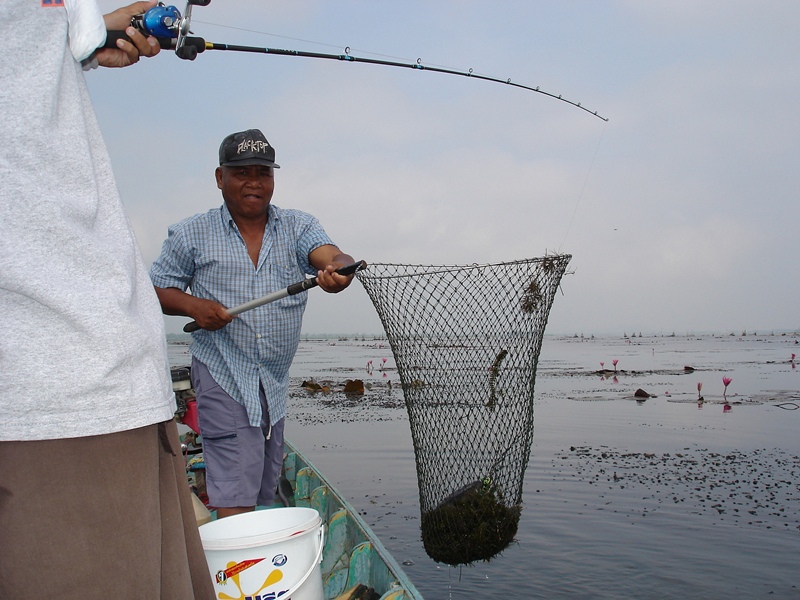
x=218, y=175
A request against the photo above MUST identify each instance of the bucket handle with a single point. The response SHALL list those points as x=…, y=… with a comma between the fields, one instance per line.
x=288, y=593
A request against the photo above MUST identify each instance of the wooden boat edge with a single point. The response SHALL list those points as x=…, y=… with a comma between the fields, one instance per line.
x=405, y=589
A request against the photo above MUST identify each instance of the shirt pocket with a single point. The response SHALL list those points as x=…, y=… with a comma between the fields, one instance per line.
x=284, y=275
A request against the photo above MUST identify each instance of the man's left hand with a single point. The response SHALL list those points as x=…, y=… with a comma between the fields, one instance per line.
x=330, y=281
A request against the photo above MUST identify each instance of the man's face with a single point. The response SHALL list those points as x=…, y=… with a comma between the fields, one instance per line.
x=247, y=190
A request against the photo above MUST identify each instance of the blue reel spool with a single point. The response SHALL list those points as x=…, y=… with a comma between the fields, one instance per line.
x=160, y=21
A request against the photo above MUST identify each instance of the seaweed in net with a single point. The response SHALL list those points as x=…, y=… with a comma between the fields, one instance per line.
x=466, y=341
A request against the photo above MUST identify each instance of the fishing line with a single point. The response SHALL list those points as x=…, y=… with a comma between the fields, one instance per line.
x=327, y=45
x=296, y=39
x=276, y=35
x=583, y=188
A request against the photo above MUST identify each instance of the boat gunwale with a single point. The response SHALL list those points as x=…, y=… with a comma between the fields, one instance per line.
x=369, y=535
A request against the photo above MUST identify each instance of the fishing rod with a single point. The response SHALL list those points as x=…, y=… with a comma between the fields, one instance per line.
x=295, y=288
x=167, y=25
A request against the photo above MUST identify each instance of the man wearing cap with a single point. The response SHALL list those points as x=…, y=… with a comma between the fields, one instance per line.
x=245, y=249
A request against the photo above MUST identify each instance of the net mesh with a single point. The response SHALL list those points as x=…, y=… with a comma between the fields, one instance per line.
x=466, y=341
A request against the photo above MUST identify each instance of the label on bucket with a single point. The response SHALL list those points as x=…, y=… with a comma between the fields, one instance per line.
x=231, y=575
x=223, y=576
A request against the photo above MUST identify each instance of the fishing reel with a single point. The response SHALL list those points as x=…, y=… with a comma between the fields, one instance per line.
x=166, y=24
x=160, y=21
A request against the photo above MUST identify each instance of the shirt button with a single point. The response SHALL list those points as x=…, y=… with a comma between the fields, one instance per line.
x=258, y=336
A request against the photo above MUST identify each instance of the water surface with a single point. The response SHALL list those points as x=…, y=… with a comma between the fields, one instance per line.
x=660, y=498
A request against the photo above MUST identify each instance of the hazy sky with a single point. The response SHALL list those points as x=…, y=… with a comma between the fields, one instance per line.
x=680, y=212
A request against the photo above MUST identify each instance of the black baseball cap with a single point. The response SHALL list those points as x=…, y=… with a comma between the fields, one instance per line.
x=246, y=148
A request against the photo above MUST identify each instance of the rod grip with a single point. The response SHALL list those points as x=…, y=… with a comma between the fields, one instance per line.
x=192, y=46
x=113, y=35
x=350, y=269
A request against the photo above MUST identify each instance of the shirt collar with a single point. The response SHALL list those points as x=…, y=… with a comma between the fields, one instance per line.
x=273, y=216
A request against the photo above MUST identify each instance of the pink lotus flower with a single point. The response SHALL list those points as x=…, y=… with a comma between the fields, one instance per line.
x=726, y=381
x=614, y=362
x=602, y=364
x=699, y=387
x=792, y=358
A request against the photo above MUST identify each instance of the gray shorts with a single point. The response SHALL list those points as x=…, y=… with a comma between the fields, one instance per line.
x=243, y=463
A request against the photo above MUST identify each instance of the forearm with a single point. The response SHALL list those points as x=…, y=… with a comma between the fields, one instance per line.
x=342, y=260
x=176, y=302
x=207, y=313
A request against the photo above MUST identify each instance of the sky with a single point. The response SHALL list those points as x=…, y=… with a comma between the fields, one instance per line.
x=680, y=211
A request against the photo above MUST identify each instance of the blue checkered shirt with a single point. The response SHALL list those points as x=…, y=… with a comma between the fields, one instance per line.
x=207, y=253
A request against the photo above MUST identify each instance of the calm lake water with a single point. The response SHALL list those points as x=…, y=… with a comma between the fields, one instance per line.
x=660, y=498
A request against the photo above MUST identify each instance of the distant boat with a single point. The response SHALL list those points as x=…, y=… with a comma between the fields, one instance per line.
x=355, y=564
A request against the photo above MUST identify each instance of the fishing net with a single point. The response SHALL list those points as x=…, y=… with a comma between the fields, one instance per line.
x=466, y=341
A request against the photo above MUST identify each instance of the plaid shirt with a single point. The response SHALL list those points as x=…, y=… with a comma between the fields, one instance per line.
x=207, y=253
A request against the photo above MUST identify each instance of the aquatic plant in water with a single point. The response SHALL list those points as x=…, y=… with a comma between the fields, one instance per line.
x=473, y=524
x=726, y=381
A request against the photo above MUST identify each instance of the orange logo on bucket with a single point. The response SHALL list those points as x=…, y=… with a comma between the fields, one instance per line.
x=235, y=569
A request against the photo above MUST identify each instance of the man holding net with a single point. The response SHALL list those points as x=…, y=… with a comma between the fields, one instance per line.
x=240, y=366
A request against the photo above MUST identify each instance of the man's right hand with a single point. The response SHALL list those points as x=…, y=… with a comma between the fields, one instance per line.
x=209, y=315
x=127, y=53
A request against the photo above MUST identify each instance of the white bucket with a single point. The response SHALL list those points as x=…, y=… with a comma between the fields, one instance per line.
x=266, y=554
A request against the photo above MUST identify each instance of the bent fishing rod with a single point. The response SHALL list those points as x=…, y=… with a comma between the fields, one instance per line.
x=166, y=24
x=295, y=288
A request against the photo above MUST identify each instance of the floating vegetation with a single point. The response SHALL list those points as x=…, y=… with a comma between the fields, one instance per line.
x=756, y=488
x=312, y=386
x=532, y=297
x=325, y=400
x=471, y=525
x=354, y=386
x=350, y=386
x=548, y=264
